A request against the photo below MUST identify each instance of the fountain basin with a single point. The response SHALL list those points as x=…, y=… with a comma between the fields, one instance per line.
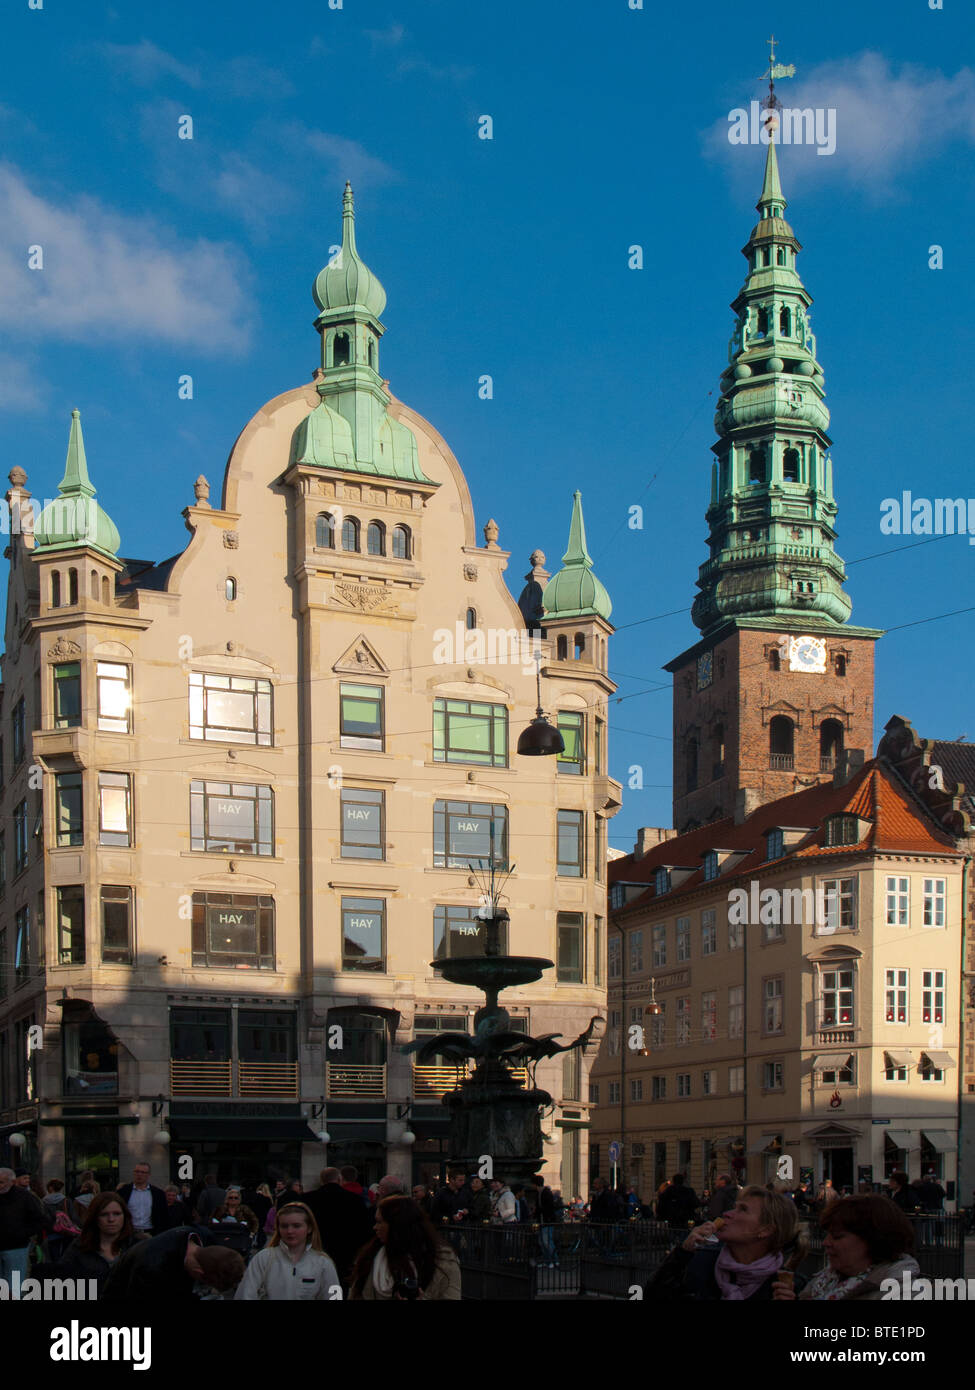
x=492, y=972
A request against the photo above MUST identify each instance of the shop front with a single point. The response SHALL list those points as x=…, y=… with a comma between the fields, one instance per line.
x=246, y=1143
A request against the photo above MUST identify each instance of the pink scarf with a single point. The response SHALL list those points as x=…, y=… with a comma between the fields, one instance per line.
x=747, y=1278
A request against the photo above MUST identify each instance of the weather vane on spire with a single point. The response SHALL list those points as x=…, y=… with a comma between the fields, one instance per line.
x=774, y=70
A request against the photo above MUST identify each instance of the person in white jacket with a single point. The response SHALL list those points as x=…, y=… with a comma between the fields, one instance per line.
x=293, y=1265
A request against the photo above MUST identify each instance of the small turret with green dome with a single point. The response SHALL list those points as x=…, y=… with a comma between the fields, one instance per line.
x=350, y=430
x=74, y=518
x=575, y=592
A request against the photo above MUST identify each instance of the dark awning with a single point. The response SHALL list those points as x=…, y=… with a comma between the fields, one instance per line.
x=247, y=1127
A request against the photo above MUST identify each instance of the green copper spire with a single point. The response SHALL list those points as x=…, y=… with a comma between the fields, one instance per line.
x=74, y=518
x=772, y=514
x=351, y=429
x=575, y=592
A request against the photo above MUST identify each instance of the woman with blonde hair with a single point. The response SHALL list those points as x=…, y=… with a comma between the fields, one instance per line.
x=293, y=1265
x=749, y=1253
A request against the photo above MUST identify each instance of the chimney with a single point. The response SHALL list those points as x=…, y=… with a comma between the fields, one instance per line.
x=649, y=836
x=747, y=800
x=848, y=762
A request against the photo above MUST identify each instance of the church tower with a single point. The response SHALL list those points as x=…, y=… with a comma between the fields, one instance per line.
x=780, y=683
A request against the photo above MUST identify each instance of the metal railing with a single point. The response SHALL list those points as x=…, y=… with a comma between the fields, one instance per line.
x=567, y=1260
x=781, y=762
x=201, y=1078
x=268, y=1079
x=217, y=1078
x=438, y=1080
x=939, y=1245
x=367, y=1079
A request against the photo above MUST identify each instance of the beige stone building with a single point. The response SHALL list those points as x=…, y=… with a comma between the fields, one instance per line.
x=244, y=789
x=806, y=960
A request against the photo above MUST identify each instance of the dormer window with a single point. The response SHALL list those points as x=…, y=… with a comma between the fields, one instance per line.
x=774, y=844
x=710, y=865
x=661, y=882
x=842, y=830
x=617, y=896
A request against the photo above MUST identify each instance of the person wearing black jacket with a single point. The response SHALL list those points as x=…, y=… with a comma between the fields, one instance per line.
x=678, y=1204
x=453, y=1198
x=166, y=1268
x=343, y=1222
x=21, y=1219
x=605, y=1205
x=105, y=1236
x=149, y=1206
x=724, y=1196
x=900, y=1192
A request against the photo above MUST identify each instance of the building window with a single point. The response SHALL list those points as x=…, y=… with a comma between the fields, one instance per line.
x=927, y=1071
x=614, y=1093
x=896, y=1004
x=683, y=1020
x=658, y=1026
x=68, y=813
x=772, y=995
x=710, y=865
x=598, y=936
x=709, y=1083
x=636, y=1090
x=894, y=1073
x=661, y=882
x=772, y=1076
x=773, y=931
x=683, y=1085
x=830, y=746
x=228, y=709
x=839, y=899
x=841, y=830
x=736, y=1080
x=233, y=931
x=932, y=996
x=717, y=739
x=709, y=933
x=572, y=729
x=599, y=848
x=600, y=749
x=71, y=925
x=709, y=1015
x=840, y=1076
x=781, y=736
x=659, y=946
x=20, y=837
x=756, y=458
x=683, y=938
x=114, y=809
x=898, y=902
x=363, y=813
x=23, y=946
x=636, y=952
x=594, y=1093
x=790, y=459
x=562, y=648
x=571, y=1075
x=569, y=958
x=340, y=350
x=350, y=534
x=774, y=844
x=67, y=698
x=360, y=716
x=614, y=1031
x=571, y=844
x=458, y=931
x=659, y=1088
x=736, y=935
x=470, y=731
x=114, y=682
x=117, y=921
x=615, y=958
x=230, y=588
x=736, y=1011
x=934, y=902
x=837, y=1006
x=376, y=538
x=402, y=543
x=325, y=531
x=364, y=934
x=18, y=729
x=231, y=818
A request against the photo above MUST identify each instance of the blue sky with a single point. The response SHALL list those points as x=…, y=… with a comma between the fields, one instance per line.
x=507, y=257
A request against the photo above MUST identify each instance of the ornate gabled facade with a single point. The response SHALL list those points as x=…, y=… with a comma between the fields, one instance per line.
x=780, y=683
x=252, y=791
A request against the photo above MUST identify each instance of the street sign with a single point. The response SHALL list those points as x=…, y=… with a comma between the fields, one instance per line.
x=615, y=1150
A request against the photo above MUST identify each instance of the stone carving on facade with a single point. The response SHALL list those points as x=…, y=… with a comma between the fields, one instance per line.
x=201, y=491
x=63, y=649
x=17, y=477
x=231, y=539
x=491, y=534
x=365, y=598
x=361, y=656
x=470, y=573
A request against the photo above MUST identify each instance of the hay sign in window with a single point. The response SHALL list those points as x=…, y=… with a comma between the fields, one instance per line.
x=468, y=731
x=230, y=709
x=363, y=933
x=234, y=930
x=458, y=931
x=469, y=834
x=361, y=716
x=231, y=818
x=362, y=823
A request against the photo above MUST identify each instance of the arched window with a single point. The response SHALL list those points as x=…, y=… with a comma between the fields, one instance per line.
x=325, y=531
x=717, y=739
x=756, y=467
x=471, y=619
x=690, y=762
x=230, y=588
x=55, y=588
x=785, y=322
x=562, y=648
x=840, y=663
x=830, y=744
x=780, y=256
x=376, y=538
x=781, y=734
x=106, y=590
x=72, y=586
x=350, y=534
x=372, y=354
x=579, y=646
x=401, y=543
x=762, y=321
x=790, y=466
x=774, y=662
x=93, y=584
x=340, y=350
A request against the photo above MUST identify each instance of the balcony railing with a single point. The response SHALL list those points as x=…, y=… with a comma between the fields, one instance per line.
x=827, y=764
x=367, y=1080
x=781, y=762
x=437, y=1081
x=217, y=1079
x=833, y=1034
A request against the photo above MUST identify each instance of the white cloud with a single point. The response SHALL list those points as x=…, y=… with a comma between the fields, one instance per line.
x=110, y=275
x=345, y=159
x=387, y=38
x=886, y=121
x=18, y=387
x=145, y=63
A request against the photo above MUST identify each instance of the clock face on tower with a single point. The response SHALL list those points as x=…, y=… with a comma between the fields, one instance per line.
x=705, y=670
x=807, y=654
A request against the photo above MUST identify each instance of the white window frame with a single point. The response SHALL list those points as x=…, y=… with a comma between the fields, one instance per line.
x=834, y=991
x=683, y=939
x=736, y=1011
x=846, y=892
x=709, y=932
x=773, y=1005
x=933, y=993
x=898, y=901
x=777, y=1076
x=935, y=903
x=709, y=1083
x=709, y=1015
x=897, y=982
x=683, y=1020
x=659, y=949
x=736, y=1080
x=683, y=1085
